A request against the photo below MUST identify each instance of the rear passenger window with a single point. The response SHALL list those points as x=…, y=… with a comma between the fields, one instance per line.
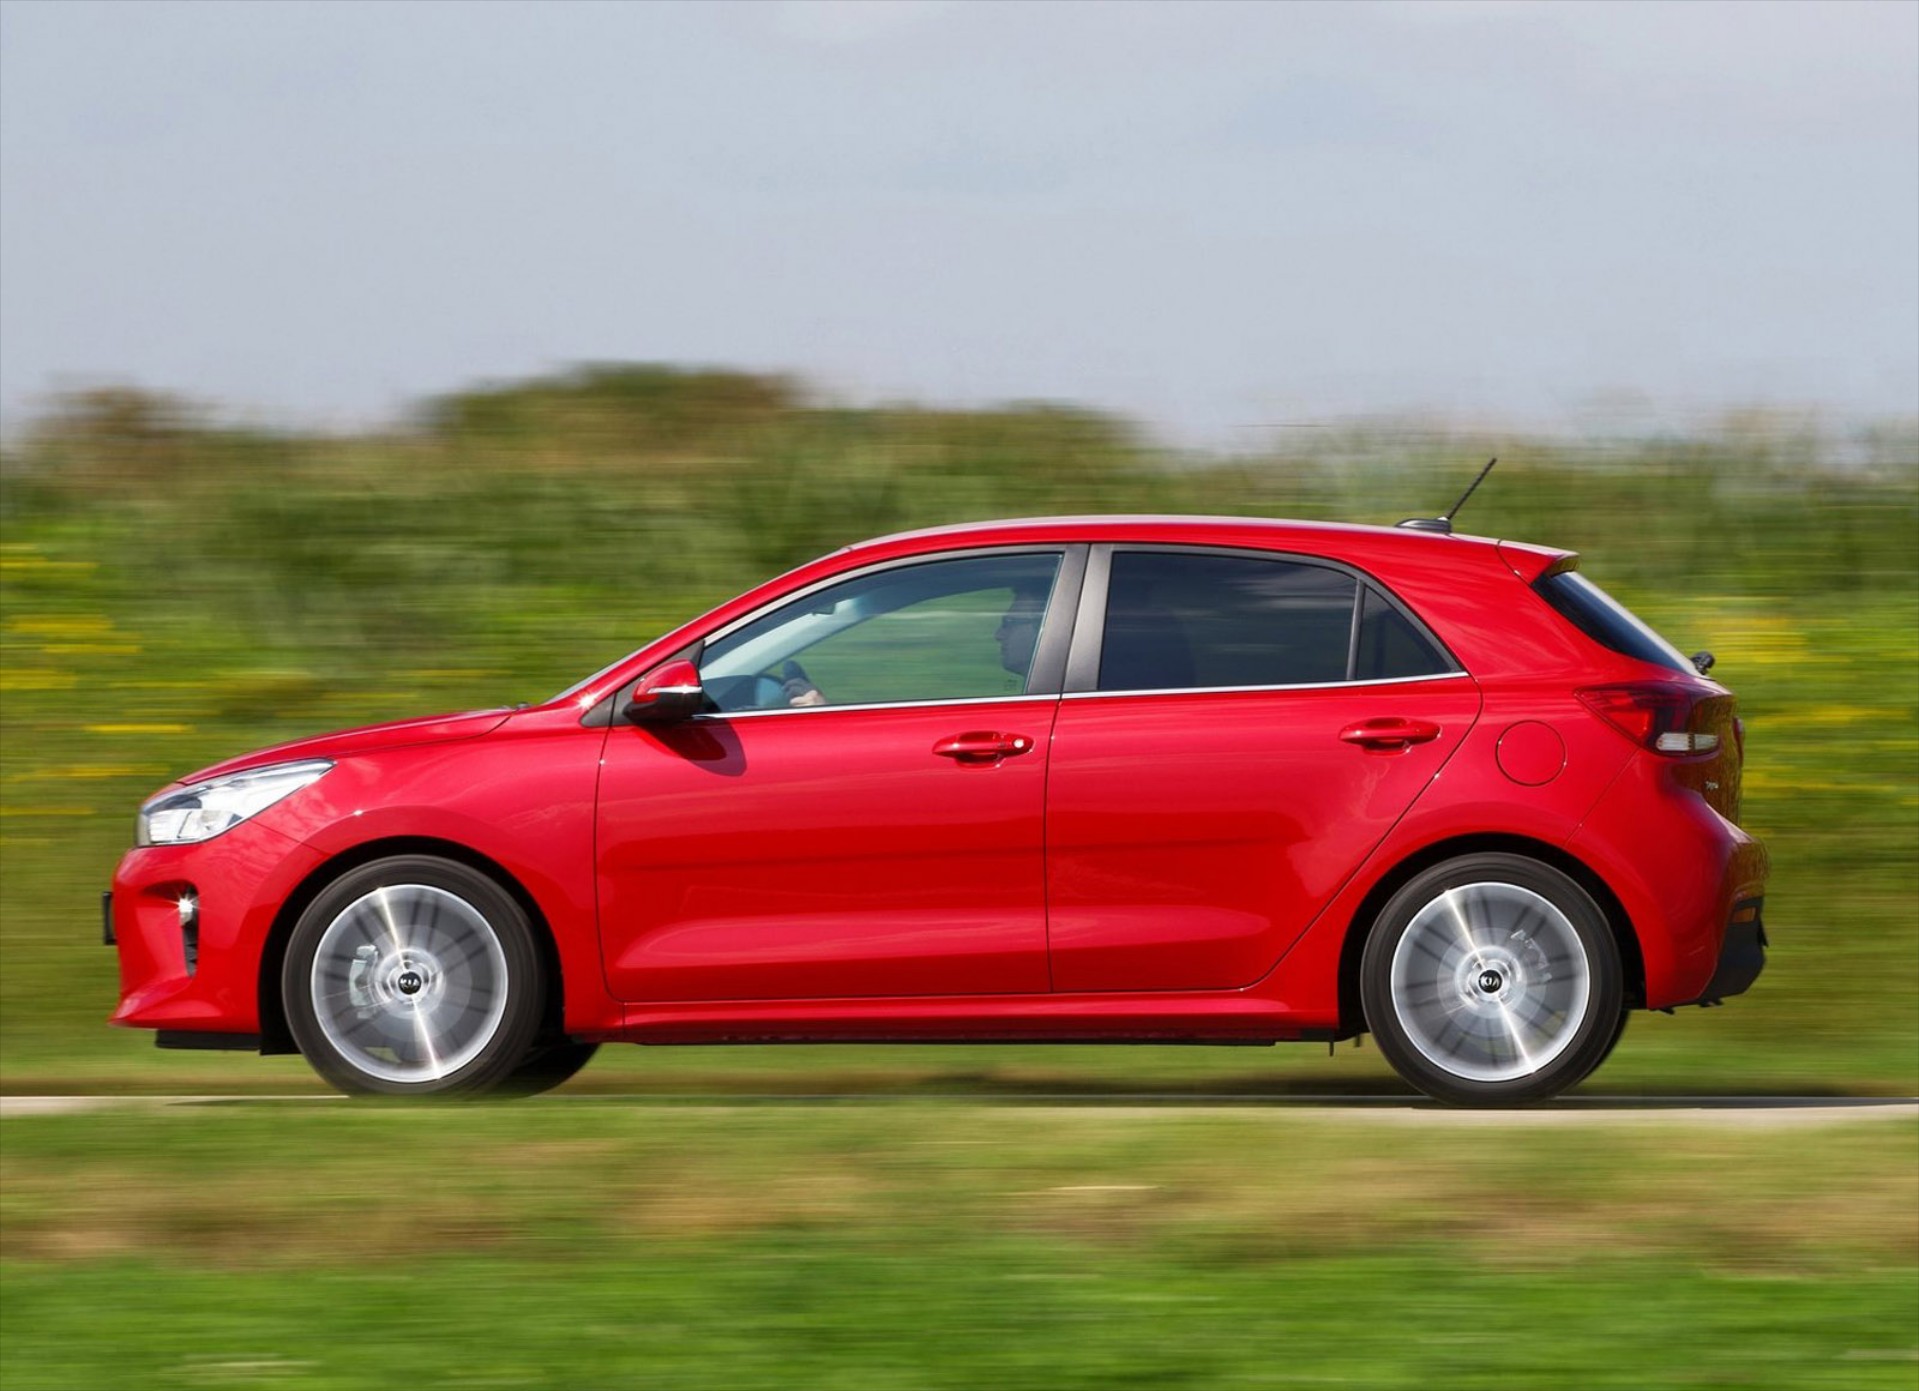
x=1390, y=647
x=1195, y=620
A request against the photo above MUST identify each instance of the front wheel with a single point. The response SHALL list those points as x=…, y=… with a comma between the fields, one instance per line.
x=414, y=976
x=1492, y=980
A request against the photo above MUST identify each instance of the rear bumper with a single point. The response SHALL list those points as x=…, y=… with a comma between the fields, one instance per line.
x=1742, y=955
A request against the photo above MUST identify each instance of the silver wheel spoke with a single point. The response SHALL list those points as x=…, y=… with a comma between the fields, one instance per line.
x=409, y=983
x=421, y=1032
x=1490, y=981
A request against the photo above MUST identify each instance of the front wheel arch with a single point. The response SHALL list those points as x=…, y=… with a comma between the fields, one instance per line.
x=276, y=1036
x=1352, y=1017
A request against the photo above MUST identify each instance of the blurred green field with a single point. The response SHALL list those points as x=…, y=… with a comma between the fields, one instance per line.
x=573, y=1243
x=177, y=589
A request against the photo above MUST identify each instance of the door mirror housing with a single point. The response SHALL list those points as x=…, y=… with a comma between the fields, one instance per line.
x=667, y=693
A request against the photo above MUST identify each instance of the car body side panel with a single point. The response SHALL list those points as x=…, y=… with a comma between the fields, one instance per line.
x=1475, y=797
x=1191, y=837
x=1498, y=629
x=1678, y=886
x=824, y=852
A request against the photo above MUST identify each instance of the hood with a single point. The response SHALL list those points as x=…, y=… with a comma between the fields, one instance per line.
x=434, y=729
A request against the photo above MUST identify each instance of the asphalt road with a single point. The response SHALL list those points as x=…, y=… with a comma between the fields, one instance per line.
x=1729, y=1112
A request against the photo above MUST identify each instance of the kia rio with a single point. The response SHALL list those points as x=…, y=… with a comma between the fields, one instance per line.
x=1097, y=779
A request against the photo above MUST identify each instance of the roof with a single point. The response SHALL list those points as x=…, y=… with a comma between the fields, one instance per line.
x=1264, y=531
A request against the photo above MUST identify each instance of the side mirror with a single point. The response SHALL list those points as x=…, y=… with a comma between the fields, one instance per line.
x=670, y=692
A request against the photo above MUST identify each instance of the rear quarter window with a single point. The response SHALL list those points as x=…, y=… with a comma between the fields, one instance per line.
x=1607, y=621
x=1390, y=648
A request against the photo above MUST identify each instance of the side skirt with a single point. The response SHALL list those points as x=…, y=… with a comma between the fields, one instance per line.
x=1225, y=1017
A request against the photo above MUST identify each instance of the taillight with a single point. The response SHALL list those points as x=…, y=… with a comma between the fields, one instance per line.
x=1653, y=715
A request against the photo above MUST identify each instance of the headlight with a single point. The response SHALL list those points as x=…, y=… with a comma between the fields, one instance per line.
x=204, y=810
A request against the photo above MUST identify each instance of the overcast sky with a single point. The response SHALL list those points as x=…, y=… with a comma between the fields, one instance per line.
x=1214, y=218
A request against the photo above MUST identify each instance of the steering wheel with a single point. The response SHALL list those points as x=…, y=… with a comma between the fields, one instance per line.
x=797, y=686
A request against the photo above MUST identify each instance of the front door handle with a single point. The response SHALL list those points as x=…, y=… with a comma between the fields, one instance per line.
x=982, y=746
x=1389, y=735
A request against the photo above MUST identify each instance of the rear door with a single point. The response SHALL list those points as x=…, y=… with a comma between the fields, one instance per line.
x=1239, y=730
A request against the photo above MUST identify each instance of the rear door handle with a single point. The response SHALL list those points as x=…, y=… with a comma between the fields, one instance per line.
x=1389, y=735
x=982, y=746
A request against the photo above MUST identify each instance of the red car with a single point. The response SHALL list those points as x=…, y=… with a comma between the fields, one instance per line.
x=1105, y=779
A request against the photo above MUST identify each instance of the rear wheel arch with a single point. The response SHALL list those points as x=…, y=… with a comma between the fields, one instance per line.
x=276, y=1036
x=1352, y=1018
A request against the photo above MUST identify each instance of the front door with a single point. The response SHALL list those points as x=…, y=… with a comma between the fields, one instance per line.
x=861, y=812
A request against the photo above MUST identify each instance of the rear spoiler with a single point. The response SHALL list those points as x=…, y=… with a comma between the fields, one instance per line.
x=1533, y=563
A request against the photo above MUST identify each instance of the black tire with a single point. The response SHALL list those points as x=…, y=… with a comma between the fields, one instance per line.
x=549, y=1067
x=1492, y=980
x=414, y=976
x=1618, y=1032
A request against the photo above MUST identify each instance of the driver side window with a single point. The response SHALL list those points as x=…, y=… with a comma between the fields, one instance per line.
x=939, y=630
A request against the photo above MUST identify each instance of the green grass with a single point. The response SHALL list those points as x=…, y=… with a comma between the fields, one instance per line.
x=578, y=1243
x=841, y=1314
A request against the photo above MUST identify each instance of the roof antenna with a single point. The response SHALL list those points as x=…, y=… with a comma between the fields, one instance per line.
x=1443, y=523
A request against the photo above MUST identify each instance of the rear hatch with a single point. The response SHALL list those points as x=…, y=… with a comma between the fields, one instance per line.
x=1679, y=714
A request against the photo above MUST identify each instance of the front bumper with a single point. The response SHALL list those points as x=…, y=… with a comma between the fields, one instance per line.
x=207, y=982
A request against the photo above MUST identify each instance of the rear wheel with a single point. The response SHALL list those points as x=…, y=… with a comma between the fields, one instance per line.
x=1492, y=980
x=414, y=976
x=1618, y=1032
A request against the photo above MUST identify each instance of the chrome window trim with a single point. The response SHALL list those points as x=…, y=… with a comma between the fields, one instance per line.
x=1296, y=686
x=722, y=716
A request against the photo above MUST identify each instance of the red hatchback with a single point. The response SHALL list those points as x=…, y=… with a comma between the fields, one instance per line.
x=1106, y=779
